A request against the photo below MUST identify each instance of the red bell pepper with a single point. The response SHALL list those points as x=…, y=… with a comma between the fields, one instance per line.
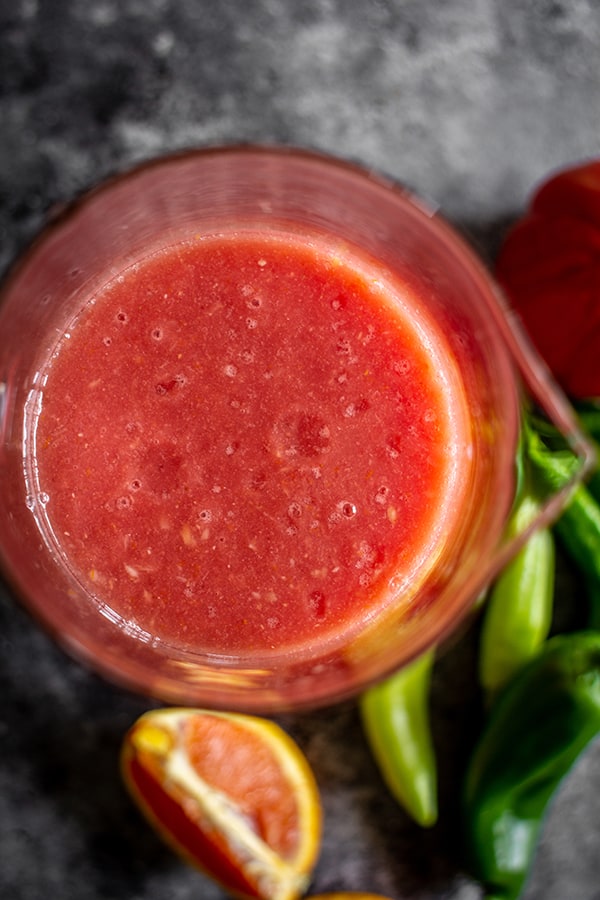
x=549, y=267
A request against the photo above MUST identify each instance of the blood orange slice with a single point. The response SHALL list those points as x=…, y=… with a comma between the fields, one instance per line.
x=232, y=794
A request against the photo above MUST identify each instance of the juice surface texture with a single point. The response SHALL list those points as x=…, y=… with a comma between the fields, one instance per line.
x=249, y=443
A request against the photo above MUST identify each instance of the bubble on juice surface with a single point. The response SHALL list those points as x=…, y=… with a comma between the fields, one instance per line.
x=122, y=317
x=107, y=341
x=124, y=502
x=43, y=498
x=157, y=333
x=230, y=370
x=347, y=509
x=294, y=510
x=251, y=324
x=381, y=494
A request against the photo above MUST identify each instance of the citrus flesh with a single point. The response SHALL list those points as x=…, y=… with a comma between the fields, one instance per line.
x=233, y=794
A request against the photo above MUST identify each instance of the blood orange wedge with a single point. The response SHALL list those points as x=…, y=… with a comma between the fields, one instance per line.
x=232, y=794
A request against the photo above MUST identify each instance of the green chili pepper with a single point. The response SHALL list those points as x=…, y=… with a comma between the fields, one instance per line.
x=395, y=715
x=540, y=724
x=578, y=527
x=518, y=613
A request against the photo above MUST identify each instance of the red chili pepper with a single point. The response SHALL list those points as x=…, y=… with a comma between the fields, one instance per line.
x=549, y=266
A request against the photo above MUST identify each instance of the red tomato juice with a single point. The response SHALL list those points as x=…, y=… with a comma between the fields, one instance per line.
x=251, y=442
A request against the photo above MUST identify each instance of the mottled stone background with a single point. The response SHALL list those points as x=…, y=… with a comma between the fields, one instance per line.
x=470, y=102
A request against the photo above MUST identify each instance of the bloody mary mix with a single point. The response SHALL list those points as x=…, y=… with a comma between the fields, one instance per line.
x=251, y=442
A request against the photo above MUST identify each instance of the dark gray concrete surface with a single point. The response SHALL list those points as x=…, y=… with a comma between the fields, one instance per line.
x=470, y=102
